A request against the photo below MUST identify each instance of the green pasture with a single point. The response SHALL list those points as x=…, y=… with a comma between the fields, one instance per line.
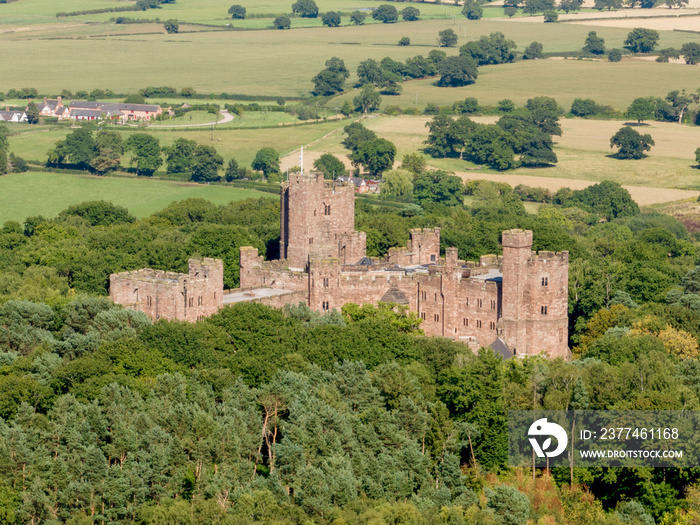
x=25, y=194
x=241, y=144
x=260, y=62
x=612, y=84
x=249, y=119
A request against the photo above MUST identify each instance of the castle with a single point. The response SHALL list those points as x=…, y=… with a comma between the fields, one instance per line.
x=517, y=303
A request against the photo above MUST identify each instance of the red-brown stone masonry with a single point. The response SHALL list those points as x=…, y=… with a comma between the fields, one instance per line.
x=535, y=297
x=169, y=295
x=315, y=214
x=423, y=248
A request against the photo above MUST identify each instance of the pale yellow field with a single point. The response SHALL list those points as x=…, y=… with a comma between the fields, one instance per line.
x=584, y=157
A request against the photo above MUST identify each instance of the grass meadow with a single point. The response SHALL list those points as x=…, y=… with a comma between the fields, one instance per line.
x=241, y=144
x=33, y=193
x=271, y=62
x=564, y=80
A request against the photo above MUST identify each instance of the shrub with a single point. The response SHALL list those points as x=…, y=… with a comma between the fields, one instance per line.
x=404, y=41
x=615, y=55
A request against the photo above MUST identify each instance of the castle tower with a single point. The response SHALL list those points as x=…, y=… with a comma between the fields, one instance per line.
x=316, y=219
x=535, y=297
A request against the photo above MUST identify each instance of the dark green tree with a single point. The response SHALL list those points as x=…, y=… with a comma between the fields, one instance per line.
x=492, y=49
x=32, y=113
x=266, y=160
x=331, y=19
x=509, y=505
x=614, y=55
x=98, y=213
x=594, y=44
x=472, y=10
x=642, y=40
x=237, y=12
x=691, y=52
x=570, y=5
x=447, y=38
x=404, y=41
x=631, y=143
x=233, y=172
x=533, y=51
x=375, y=156
x=584, y=107
x=410, y=14
x=356, y=135
x=146, y=153
x=330, y=166
x=386, y=14
x=178, y=157
x=369, y=99
x=550, y=15
x=171, y=26
x=332, y=79
x=110, y=148
x=205, y=164
x=78, y=149
x=358, y=18
x=641, y=109
x=282, y=22
x=437, y=187
x=305, y=8
x=457, y=71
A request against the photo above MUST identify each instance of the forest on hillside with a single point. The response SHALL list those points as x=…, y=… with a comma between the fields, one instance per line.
x=257, y=415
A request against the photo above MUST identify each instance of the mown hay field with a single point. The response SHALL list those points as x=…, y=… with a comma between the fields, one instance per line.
x=279, y=62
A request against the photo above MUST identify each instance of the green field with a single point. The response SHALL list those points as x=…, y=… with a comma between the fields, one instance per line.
x=564, y=80
x=242, y=144
x=26, y=194
x=258, y=62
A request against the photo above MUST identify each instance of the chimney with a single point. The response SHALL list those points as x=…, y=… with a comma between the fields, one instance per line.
x=44, y=101
x=59, y=100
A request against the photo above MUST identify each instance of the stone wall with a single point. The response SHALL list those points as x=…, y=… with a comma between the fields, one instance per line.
x=169, y=295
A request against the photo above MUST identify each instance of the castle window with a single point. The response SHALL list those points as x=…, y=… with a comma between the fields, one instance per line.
x=561, y=335
x=479, y=303
x=432, y=258
x=191, y=302
x=436, y=297
x=545, y=281
x=492, y=325
x=543, y=310
x=467, y=301
x=465, y=322
x=478, y=324
x=422, y=315
x=326, y=283
x=215, y=293
x=326, y=209
x=311, y=240
x=199, y=301
x=437, y=318
x=493, y=305
x=149, y=301
x=325, y=305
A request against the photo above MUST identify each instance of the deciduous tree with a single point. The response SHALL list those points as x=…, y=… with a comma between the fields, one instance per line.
x=386, y=14
x=631, y=143
x=237, y=12
x=447, y=38
x=146, y=153
x=305, y=8
x=457, y=71
x=642, y=40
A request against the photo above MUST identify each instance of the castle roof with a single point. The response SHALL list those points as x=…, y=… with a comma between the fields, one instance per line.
x=394, y=295
x=500, y=347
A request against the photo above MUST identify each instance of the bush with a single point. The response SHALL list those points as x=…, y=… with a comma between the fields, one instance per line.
x=282, y=22
x=551, y=16
x=404, y=41
x=615, y=55
x=307, y=113
x=510, y=12
x=584, y=107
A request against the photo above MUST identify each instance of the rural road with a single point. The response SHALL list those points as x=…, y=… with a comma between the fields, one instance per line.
x=224, y=113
